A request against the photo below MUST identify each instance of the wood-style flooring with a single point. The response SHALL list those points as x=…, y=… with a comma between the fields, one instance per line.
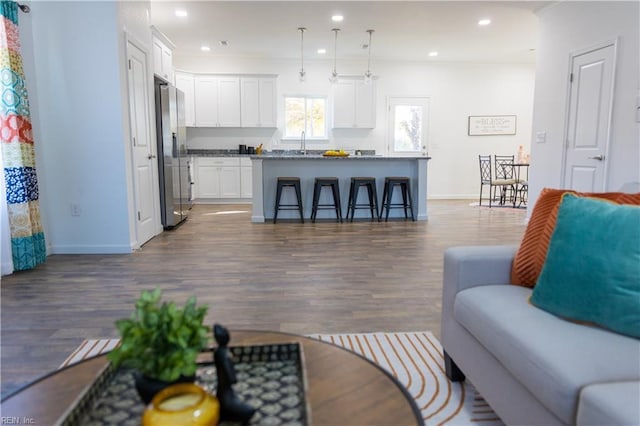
x=300, y=278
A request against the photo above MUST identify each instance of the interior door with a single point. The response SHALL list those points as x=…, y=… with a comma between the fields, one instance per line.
x=591, y=89
x=408, y=126
x=143, y=156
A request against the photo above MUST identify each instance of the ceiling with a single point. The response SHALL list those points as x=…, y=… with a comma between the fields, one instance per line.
x=404, y=31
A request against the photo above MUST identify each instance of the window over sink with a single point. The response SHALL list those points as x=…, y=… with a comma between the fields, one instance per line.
x=305, y=113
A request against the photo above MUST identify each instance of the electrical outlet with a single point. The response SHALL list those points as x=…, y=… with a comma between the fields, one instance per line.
x=75, y=209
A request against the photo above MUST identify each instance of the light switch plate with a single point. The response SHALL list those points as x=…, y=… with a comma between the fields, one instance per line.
x=541, y=137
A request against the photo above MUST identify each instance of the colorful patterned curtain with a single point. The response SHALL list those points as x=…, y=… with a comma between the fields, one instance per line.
x=18, y=155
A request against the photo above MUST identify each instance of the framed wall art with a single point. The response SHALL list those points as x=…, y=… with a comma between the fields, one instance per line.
x=486, y=125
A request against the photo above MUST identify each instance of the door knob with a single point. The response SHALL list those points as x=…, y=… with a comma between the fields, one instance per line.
x=151, y=156
x=597, y=157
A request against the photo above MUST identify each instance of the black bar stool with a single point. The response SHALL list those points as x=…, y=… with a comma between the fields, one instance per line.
x=321, y=182
x=389, y=183
x=291, y=182
x=354, y=189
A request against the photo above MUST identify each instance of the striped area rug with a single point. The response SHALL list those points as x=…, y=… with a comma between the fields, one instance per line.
x=415, y=359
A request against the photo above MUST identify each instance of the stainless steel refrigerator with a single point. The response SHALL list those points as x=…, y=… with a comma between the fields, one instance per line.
x=173, y=162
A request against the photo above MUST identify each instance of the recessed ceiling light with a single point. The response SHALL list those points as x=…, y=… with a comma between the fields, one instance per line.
x=434, y=53
x=337, y=18
x=205, y=48
x=181, y=13
x=484, y=22
x=322, y=51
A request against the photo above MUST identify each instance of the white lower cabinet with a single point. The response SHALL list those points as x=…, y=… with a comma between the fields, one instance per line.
x=222, y=178
x=246, y=186
x=217, y=177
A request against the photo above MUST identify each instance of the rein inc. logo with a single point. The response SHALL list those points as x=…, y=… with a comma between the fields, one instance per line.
x=16, y=420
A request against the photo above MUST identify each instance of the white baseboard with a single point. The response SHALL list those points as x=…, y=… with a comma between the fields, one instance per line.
x=452, y=197
x=81, y=249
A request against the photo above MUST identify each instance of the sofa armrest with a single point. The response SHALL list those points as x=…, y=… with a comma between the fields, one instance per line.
x=614, y=403
x=471, y=266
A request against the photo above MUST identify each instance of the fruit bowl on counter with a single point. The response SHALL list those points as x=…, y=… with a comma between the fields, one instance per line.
x=332, y=153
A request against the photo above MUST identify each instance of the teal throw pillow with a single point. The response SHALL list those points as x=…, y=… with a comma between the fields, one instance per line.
x=592, y=269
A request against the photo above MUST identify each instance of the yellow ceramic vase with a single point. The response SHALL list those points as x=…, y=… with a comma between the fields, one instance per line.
x=182, y=404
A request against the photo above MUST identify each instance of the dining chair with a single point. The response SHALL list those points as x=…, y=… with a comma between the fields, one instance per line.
x=506, y=177
x=495, y=184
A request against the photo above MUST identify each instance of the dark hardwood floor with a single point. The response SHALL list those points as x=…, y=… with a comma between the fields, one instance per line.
x=300, y=278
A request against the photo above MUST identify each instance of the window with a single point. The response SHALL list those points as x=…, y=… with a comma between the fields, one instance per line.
x=408, y=125
x=305, y=113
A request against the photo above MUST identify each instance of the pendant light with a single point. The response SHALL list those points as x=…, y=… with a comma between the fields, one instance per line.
x=368, y=75
x=334, y=74
x=302, y=74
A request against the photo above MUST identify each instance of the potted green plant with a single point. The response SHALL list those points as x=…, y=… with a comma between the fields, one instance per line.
x=161, y=342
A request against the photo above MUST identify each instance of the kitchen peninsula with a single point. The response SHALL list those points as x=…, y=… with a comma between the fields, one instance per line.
x=267, y=168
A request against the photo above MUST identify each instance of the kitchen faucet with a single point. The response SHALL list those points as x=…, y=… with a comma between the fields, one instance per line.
x=303, y=143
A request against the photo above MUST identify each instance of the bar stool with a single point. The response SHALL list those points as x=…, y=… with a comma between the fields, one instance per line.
x=321, y=182
x=354, y=189
x=389, y=183
x=290, y=182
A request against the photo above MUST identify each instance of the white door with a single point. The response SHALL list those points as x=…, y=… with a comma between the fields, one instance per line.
x=408, y=126
x=591, y=89
x=143, y=157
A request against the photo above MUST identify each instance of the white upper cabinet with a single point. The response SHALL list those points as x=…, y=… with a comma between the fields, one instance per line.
x=162, y=60
x=206, y=101
x=217, y=101
x=258, y=101
x=184, y=82
x=354, y=104
x=229, y=102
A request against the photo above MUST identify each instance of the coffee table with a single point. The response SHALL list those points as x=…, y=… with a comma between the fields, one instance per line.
x=343, y=387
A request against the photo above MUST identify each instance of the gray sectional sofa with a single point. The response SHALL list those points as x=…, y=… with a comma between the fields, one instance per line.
x=532, y=367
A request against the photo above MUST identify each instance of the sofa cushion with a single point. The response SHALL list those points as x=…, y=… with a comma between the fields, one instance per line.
x=551, y=357
x=615, y=403
x=532, y=252
x=592, y=270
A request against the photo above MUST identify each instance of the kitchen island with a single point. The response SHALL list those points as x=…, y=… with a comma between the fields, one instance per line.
x=267, y=168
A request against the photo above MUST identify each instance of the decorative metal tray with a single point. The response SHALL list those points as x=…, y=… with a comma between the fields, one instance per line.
x=270, y=377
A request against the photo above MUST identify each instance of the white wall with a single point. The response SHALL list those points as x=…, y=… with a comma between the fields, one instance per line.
x=72, y=64
x=572, y=26
x=456, y=90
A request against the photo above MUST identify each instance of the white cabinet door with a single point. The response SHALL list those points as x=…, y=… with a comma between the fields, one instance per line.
x=229, y=182
x=258, y=101
x=162, y=60
x=344, y=114
x=157, y=57
x=217, y=177
x=354, y=104
x=207, y=181
x=268, y=102
x=246, y=187
x=250, y=102
x=167, y=64
x=206, y=101
x=365, y=105
x=229, y=101
x=184, y=82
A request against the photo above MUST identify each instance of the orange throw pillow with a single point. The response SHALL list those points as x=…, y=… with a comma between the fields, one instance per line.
x=532, y=252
